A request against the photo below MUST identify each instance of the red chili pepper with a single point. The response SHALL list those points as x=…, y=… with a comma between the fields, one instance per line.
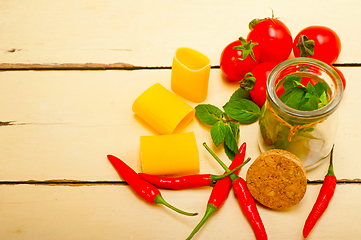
x=185, y=182
x=144, y=189
x=249, y=207
x=246, y=200
x=220, y=191
x=324, y=197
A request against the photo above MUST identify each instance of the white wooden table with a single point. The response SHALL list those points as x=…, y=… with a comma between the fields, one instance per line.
x=69, y=73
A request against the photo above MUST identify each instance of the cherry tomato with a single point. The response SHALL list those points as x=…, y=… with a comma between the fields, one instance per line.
x=343, y=79
x=261, y=72
x=274, y=40
x=327, y=44
x=238, y=58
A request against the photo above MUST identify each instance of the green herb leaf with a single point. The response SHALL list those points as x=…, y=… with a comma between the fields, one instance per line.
x=311, y=91
x=208, y=113
x=242, y=110
x=293, y=97
x=240, y=93
x=235, y=130
x=310, y=104
x=292, y=81
x=230, y=154
x=323, y=98
x=232, y=136
x=321, y=87
x=218, y=132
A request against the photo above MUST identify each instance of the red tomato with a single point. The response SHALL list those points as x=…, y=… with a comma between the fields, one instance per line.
x=274, y=40
x=327, y=46
x=261, y=72
x=343, y=79
x=231, y=64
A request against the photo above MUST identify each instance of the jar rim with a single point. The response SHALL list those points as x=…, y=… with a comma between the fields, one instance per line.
x=321, y=112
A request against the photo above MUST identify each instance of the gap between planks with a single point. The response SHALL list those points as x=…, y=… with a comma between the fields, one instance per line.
x=78, y=183
x=101, y=66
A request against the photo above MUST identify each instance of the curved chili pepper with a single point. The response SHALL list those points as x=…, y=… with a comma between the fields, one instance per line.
x=324, y=197
x=245, y=200
x=220, y=191
x=185, y=182
x=249, y=207
x=144, y=189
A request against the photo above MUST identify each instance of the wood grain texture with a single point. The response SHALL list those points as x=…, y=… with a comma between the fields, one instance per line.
x=64, y=123
x=147, y=33
x=69, y=73
x=114, y=212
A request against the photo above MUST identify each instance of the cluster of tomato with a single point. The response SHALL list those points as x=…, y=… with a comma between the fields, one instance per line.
x=270, y=42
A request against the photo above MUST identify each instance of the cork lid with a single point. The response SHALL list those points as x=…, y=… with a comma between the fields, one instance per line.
x=277, y=179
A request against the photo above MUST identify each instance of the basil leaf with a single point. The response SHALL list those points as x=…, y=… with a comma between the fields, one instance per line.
x=310, y=104
x=230, y=154
x=240, y=93
x=218, y=132
x=293, y=97
x=208, y=113
x=321, y=88
x=323, y=98
x=311, y=91
x=231, y=140
x=242, y=110
x=291, y=81
x=235, y=131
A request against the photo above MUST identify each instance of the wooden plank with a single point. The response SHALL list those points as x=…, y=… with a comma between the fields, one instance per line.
x=60, y=125
x=114, y=212
x=144, y=33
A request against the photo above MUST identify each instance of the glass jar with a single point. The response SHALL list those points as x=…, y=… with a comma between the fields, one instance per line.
x=309, y=135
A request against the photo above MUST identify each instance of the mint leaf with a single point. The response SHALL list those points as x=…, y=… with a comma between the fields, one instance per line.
x=311, y=91
x=242, y=110
x=230, y=154
x=208, y=113
x=240, y=93
x=321, y=88
x=232, y=136
x=235, y=130
x=293, y=97
x=323, y=98
x=218, y=132
x=292, y=81
x=304, y=98
x=310, y=104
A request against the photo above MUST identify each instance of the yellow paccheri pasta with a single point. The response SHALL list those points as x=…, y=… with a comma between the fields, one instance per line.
x=173, y=154
x=163, y=110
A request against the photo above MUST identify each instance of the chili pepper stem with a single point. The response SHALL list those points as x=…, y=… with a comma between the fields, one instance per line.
x=216, y=157
x=209, y=212
x=159, y=199
x=218, y=177
x=233, y=176
x=330, y=168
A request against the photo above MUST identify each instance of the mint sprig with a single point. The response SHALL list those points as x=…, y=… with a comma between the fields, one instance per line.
x=305, y=98
x=225, y=124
